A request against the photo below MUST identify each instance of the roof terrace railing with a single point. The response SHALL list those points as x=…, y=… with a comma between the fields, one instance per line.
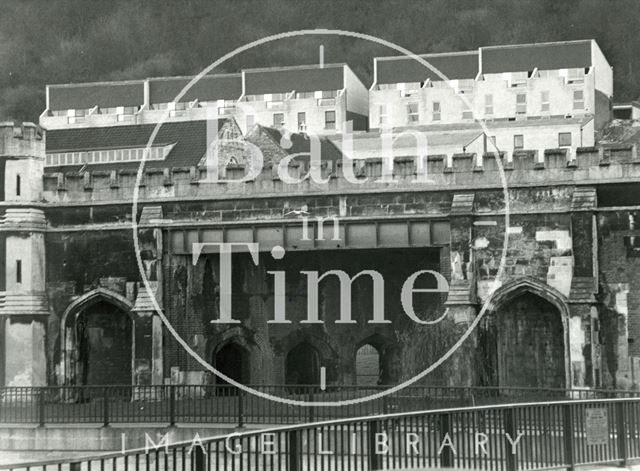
x=529, y=436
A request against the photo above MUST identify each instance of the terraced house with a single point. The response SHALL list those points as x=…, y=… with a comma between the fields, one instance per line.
x=513, y=198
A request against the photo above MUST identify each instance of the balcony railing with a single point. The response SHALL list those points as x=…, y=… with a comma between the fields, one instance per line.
x=326, y=101
x=227, y=404
x=275, y=105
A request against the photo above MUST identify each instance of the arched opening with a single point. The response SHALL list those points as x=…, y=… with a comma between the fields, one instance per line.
x=104, y=347
x=523, y=344
x=302, y=365
x=232, y=360
x=368, y=366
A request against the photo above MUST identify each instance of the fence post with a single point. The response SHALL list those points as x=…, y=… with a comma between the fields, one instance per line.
x=567, y=435
x=105, y=407
x=294, y=455
x=240, y=408
x=510, y=427
x=172, y=405
x=446, y=458
x=198, y=461
x=41, y=408
x=372, y=456
x=311, y=407
x=621, y=432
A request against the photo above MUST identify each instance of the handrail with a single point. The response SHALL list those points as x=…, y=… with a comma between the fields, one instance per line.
x=506, y=417
x=226, y=404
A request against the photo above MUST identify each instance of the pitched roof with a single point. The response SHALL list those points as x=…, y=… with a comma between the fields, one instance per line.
x=103, y=94
x=208, y=88
x=296, y=143
x=544, y=56
x=307, y=78
x=404, y=69
x=189, y=137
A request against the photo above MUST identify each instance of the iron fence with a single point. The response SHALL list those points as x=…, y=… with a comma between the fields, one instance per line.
x=228, y=405
x=512, y=437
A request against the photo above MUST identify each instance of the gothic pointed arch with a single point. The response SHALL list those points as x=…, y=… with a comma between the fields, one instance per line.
x=525, y=336
x=97, y=339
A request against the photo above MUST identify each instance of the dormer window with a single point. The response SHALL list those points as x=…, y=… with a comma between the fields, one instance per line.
x=519, y=79
x=575, y=76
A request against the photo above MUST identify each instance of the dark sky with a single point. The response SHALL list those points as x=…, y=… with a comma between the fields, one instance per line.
x=62, y=41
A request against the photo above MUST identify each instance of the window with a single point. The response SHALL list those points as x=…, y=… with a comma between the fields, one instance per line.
x=305, y=94
x=544, y=102
x=18, y=271
x=521, y=103
x=132, y=154
x=518, y=141
x=490, y=143
x=519, y=79
x=383, y=116
x=412, y=113
x=578, y=100
x=302, y=121
x=466, y=111
x=278, y=119
x=251, y=120
x=575, y=76
x=435, y=111
x=329, y=119
x=564, y=139
x=18, y=185
x=488, y=105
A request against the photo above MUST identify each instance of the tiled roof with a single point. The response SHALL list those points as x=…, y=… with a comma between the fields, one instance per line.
x=544, y=56
x=403, y=69
x=88, y=95
x=301, y=79
x=298, y=143
x=208, y=88
x=190, y=139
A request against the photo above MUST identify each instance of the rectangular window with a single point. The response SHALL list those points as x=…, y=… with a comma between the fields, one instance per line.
x=413, y=115
x=578, y=100
x=436, y=111
x=488, y=105
x=564, y=139
x=518, y=142
x=18, y=185
x=18, y=271
x=575, y=76
x=278, y=120
x=329, y=119
x=544, y=101
x=521, y=103
x=466, y=111
x=302, y=121
x=383, y=116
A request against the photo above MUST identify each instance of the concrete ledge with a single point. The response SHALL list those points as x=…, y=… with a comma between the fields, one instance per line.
x=92, y=437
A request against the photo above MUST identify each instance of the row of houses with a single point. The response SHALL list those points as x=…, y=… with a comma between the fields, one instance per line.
x=509, y=98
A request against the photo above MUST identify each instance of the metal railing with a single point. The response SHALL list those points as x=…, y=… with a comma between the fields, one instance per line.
x=510, y=437
x=228, y=405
